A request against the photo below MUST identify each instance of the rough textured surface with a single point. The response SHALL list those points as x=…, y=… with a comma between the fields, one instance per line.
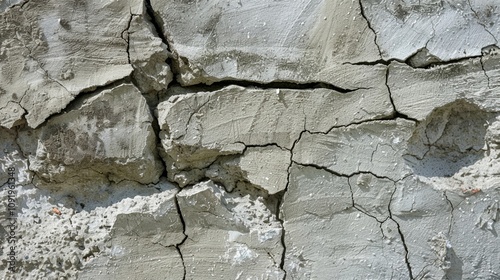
x=264, y=41
x=229, y=235
x=446, y=29
x=249, y=139
x=107, y=134
x=52, y=53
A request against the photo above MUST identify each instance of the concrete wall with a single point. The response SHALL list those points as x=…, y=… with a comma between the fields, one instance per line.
x=249, y=139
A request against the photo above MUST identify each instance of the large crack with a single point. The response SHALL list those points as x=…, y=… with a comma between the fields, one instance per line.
x=273, y=85
x=481, y=60
x=280, y=205
x=125, y=35
x=178, y=246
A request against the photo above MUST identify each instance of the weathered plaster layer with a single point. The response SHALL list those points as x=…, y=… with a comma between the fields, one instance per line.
x=249, y=140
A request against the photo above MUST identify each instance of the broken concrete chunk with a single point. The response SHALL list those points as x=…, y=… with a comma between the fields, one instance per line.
x=13, y=163
x=326, y=236
x=467, y=80
x=227, y=40
x=374, y=147
x=146, y=231
x=448, y=29
x=107, y=134
x=46, y=64
x=422, y=58
x=148, y=56
x=264, y=167
x=230, y=235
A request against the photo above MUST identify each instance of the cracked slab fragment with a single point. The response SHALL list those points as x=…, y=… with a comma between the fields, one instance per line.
x=199, y=127
x=263, y=167
x=423, y=90
x=50, y=54
x=325, y=235
x=143, y=233
x=376, y=147
x=230, y=235
x=228, y=40
x=106, y=135
x=148, y=56
x=449, y=30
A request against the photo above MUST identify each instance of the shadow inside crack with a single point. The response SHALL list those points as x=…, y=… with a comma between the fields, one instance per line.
x=455, y=271
x=450, y=138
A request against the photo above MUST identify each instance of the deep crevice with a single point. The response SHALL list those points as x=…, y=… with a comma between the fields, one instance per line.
x=125, y=36
x=178, y=246
x=158, y=27
x=319, y=167
x=260, y=146
x=407, y=62
x=485, y=72
x=395, y=116
x=271, y=85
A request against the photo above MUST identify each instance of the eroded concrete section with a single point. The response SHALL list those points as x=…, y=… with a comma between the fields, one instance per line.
x=250, y=140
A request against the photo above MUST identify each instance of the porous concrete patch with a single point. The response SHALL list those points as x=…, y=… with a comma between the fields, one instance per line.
x=230, y=235
x=108, y=231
